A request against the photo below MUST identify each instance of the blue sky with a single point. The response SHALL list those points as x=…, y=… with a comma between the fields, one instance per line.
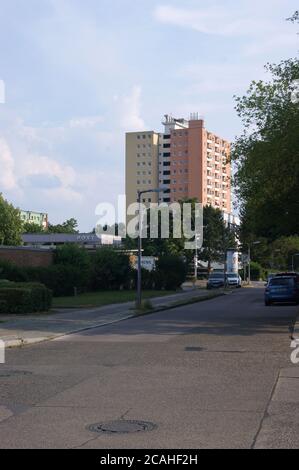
x=79, y=74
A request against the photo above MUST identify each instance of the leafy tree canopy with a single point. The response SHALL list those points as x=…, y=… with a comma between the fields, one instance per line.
x=267, y=154
x=69, y=226
x=10, y=223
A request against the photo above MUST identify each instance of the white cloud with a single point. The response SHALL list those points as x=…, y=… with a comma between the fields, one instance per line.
x=211, y=20
x=7, y=177
x=130, y=118
x=221, y=77
x=86, y=122
x=42, y=165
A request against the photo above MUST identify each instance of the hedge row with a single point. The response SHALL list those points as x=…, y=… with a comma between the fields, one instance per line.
x=106, y=269
x=24, y=297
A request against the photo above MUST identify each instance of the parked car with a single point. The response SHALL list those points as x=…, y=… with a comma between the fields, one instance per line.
x=233, y=280
x=215, y=281
x=289, y=274
x=270, y=276
x=282, y=289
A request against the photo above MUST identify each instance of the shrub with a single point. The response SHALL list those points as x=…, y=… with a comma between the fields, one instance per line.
x=24, y=298
x=148, y=279
x=12, y=272
x=110, y=270
x=171, y=272
x=61, y=279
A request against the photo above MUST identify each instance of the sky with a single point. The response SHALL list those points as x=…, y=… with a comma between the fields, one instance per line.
x=78, y=74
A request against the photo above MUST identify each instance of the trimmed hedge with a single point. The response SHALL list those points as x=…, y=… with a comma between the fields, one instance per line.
x=24, y=297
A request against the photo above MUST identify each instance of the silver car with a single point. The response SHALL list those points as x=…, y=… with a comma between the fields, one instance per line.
x=233, y=280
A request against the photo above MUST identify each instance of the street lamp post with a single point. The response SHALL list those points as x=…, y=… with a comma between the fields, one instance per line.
x=139, y=275
x=293, y=259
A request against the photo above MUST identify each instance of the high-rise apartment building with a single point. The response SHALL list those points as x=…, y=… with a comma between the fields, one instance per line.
x=186, y=161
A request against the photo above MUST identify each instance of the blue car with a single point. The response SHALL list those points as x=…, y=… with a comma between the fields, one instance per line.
x=282, y=289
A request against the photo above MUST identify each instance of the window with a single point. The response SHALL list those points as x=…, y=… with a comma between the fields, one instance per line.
x=166, y=173
x=167, y=154
x=166, y=146
x=166, y=136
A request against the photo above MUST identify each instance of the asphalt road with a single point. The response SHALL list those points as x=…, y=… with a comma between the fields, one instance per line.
x=203, y=374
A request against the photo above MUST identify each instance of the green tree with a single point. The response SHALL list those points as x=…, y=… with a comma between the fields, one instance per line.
x=10, y=224
x=267, y=154
x=32, y=228
x=217, y=236
x=282, y=251
x=171, y=272
x=72, y=255
x=69, y=226
x=110, y=269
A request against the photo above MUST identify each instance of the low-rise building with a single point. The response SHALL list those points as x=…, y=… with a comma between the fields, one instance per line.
x=88, y=240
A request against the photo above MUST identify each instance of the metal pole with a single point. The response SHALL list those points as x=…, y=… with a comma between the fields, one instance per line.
x=293, y=261
x=225, y=269
x=249, y=266
x=196, y=256
x=139, y=252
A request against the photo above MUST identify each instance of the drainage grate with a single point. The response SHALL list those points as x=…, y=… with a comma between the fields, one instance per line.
x=13, y=373
x=122, y=426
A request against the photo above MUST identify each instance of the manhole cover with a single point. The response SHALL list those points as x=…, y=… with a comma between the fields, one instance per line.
x=122, y=426
x=12, y=373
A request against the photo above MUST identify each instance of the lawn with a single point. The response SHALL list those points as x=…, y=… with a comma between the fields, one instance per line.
x=98, y=299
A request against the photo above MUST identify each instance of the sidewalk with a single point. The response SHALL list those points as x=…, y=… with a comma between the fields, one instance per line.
x=280, y=428
x=19, y=330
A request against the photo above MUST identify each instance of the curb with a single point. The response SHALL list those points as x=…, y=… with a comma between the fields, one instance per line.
x=178, y=305
x=20, y=342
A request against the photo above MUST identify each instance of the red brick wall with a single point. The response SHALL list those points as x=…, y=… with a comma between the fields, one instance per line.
x=26, y=257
